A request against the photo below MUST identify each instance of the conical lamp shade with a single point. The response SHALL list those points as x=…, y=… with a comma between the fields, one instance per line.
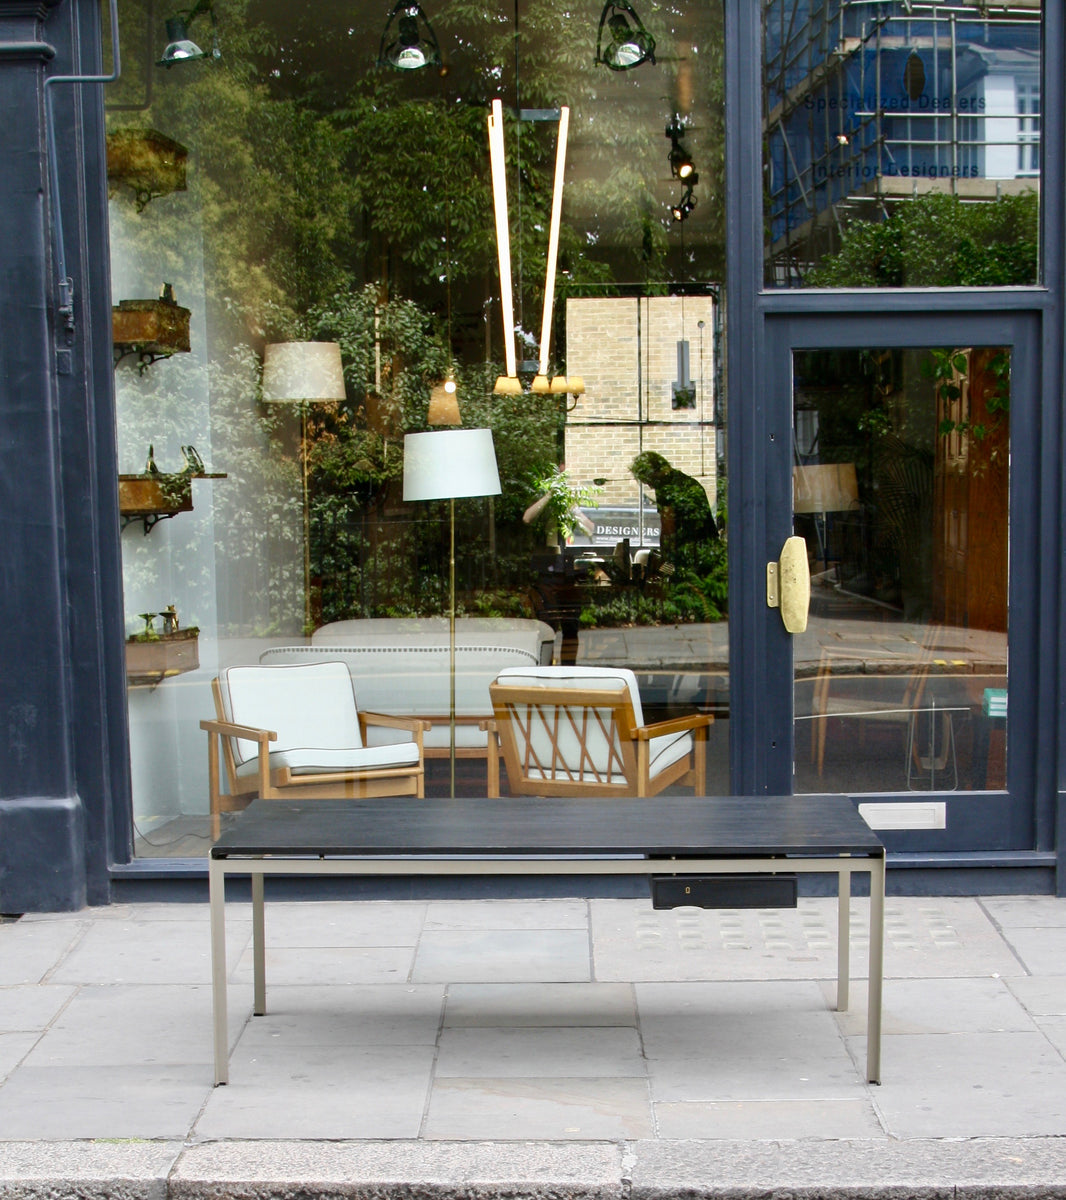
x=443, y=404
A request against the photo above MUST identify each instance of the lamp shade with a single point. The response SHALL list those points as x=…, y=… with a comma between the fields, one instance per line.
x=443, y=405
x=446, y=464
x=179, y=47
x=300, y=372
x=824, y=487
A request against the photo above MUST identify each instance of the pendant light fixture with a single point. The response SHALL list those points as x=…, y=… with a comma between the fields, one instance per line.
x=408, y=42
x=628, y=43
x=180, y=47
x=553, y=252
x=508, y=384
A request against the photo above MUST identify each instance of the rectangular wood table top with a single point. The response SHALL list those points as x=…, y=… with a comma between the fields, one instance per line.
x=685, y=826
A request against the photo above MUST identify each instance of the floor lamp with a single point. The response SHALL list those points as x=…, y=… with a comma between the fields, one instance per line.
x=303, y=373
x=449, y=464
x=821, y=488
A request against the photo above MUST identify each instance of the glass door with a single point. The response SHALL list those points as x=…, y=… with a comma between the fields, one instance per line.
x=915, y=521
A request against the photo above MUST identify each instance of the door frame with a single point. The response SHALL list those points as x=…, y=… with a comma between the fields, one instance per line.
x=759, y=321
x=981, y=821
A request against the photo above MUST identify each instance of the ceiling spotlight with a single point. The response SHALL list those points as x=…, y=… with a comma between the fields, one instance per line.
x=180, y=48
x=681, y=164
x=681, y=210
x=408, y=41
x=628, y=43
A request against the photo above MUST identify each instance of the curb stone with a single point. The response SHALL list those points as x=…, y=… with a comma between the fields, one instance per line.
x=927, y=1169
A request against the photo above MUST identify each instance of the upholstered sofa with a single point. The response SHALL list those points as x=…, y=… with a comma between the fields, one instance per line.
x=400, y=666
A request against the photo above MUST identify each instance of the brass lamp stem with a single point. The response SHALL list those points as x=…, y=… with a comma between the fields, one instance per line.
x=451, y=645
x=307, y=521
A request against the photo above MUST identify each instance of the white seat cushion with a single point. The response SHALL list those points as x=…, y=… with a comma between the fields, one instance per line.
x=311, y=760
x=306, y=705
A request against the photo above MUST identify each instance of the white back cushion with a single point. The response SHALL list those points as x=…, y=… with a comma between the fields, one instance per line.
x=309, y=706
x=592, y=749
x=576, y=677
x=413, y=679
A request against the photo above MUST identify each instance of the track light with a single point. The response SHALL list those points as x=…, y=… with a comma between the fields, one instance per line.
x=180, y=47
x=408, y=41
x=628, y=43
x=681, y=164
x=683, y=208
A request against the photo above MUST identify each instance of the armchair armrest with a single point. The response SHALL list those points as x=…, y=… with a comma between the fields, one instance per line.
x=415, y=725
x=229, y=729
x=216, y=730
x=674, y=725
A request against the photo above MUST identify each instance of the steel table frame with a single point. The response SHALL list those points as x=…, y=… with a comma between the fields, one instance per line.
x=258, y=866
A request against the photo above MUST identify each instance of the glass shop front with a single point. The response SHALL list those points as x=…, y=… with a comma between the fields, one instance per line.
x=420, y=335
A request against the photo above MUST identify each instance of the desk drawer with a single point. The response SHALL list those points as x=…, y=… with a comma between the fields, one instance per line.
x=724, y=891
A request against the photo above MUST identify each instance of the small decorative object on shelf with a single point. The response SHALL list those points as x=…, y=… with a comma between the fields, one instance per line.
x=170, y=620
x=147, y=162
x=154, y=495
x=150, y=329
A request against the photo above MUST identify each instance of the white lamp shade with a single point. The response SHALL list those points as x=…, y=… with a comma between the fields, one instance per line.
x=446, y=464
x=302, y=372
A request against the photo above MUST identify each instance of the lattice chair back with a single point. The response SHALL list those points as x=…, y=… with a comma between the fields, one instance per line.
x=570, y=731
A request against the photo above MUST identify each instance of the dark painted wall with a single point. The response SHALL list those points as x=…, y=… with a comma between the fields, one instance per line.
x=62, y=708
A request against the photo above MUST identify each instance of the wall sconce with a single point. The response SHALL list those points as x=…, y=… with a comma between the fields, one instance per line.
x=179, y=46
x=629, y=43
x=408, y=41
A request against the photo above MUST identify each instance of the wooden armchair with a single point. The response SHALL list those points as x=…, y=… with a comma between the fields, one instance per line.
x=579, y=731
x=296, y=731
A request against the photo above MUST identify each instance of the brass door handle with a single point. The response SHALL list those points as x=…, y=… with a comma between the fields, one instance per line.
x=788, y=584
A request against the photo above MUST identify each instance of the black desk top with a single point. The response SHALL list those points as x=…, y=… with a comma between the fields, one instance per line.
x=692, y=826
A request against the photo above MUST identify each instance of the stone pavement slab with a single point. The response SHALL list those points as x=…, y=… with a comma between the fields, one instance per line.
x=533, y=1005
x=564, y=1047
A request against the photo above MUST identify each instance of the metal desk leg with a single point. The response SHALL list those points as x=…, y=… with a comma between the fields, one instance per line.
x=877, y=969
x=843, y=937
x=258, y=944
x=217, y=893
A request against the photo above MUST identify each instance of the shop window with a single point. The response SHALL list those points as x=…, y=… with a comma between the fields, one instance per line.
x=902, y=143
x=303, y=190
